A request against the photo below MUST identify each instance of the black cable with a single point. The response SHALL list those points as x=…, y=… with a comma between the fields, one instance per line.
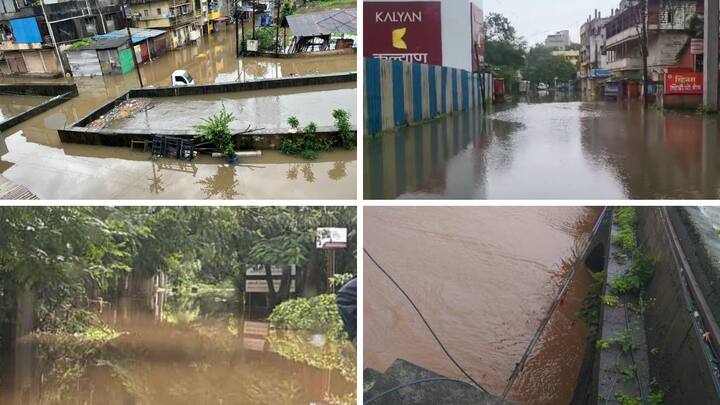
x=427, y=380
x=437, y=339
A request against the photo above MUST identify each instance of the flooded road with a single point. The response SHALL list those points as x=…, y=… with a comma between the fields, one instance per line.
x=183, y=350
x=12, y=104
x=38, y=159
x=268, y=109
x=484, y=278
x=549, y=149
x=97, y=172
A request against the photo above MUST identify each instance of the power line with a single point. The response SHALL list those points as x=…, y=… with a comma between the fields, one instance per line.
x=437, y=339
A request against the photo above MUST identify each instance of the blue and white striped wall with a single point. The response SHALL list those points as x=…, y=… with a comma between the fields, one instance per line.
x=399, y=93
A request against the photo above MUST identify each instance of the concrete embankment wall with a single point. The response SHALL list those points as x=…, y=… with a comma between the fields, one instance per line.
x=79, y=132
x=677, y=358
x=398, y=93
x=60, y=93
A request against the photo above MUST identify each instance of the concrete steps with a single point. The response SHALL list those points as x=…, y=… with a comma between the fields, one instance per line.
x=437, y=392
x=12, y=191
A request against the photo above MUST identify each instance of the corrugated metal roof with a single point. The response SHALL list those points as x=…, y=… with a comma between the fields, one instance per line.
x=103, y=43
x=138, y=34
x=323, y=23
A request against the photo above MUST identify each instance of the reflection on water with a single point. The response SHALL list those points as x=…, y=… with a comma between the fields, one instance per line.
x=484, y=278
x=181, y=350
x=85, y=171
x=12, y=105
x=549, y=150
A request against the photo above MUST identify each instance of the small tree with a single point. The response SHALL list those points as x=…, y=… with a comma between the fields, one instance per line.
x=216, y=129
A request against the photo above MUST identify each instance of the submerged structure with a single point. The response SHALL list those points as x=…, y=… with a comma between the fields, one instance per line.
x=323, y=31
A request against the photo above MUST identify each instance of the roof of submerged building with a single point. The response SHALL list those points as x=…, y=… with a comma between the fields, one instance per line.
x=323, y=23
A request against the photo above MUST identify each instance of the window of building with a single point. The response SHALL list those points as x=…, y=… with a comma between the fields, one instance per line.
x=159, y=12
x=147, y=12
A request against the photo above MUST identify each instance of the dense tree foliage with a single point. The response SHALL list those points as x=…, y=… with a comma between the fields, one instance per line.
x=544, y=67
x=64, y=257
x=505, y=52
x=507, y=55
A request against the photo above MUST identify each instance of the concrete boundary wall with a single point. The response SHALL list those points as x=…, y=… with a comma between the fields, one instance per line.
x=79, y=132
x=60, y=93
x=399, y=93
x=678, y=363
x=235, y=87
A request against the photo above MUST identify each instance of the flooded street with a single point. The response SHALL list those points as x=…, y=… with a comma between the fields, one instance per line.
x=484, y=279
x=268, y=109
x=37, y=158
x=73, y=171
x=549, y=149
x=187, y=349
x=12, y=105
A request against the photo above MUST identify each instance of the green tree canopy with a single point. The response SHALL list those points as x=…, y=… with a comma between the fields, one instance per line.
x=544, y=67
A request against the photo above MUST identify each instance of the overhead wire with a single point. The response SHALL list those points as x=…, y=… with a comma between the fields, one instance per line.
x=425, y=321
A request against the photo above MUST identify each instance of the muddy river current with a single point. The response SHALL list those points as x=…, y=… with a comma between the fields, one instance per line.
x=484, y=278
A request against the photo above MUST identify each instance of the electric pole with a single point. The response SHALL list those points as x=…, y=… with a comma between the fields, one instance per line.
x=130, y=42
x=52, y=37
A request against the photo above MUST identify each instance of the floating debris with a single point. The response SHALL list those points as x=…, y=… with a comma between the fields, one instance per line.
x=126, y=109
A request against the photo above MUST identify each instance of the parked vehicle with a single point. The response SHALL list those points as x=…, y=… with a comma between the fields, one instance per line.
x=543, y=87
x=180, y=78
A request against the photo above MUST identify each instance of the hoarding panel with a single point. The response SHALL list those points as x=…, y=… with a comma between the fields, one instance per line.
x=683, y=83
x=407, y=31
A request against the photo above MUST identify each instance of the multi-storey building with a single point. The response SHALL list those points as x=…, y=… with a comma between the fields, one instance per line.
x=26, y=43
x=593, y=58
x=183, y=19
x=669, y=32
x=560, y=40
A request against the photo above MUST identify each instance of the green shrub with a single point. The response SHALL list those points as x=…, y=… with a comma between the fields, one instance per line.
x=625, y=240
x=623, y=399
x=318, y=315
x=216, y=129
x=611, y=300
x=348, y=137
x=305, y=143
x=80, y=43
x=626, y=217
x=309, y=154
x=293, y=122
x=266, y=37
x=639, y=274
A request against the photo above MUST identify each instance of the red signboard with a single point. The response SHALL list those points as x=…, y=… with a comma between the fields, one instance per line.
x=406, y=31
x=683, y=83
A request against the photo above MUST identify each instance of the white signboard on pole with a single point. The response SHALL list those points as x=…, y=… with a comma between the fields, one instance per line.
x=331, y=238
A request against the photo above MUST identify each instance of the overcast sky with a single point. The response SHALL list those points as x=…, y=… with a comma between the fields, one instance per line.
x=534, y=19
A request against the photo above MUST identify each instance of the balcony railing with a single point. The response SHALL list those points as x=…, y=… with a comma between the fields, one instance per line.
x=625, y=64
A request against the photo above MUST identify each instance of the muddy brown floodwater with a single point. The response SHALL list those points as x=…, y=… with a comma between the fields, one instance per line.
x=37, y=158
x=12, y=105
x=484, y=278
x=189, y=350
x=549, y=148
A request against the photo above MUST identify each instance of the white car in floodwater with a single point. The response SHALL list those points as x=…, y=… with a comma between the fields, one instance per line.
x=181, y=78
